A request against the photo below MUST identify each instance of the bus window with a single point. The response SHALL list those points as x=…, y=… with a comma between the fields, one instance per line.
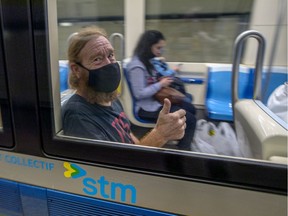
x=202, y=32
x=230, y=171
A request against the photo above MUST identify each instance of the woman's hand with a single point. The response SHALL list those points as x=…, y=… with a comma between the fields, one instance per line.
x=166, y=81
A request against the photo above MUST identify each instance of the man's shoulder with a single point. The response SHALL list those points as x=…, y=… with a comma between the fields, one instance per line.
x=116, y=104
x=75, y=104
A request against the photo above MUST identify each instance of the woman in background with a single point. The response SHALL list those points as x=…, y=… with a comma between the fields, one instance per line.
x=145, y=84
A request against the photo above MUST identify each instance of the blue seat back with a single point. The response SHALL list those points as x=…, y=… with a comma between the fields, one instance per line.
x=63, y=73
x=219, y=90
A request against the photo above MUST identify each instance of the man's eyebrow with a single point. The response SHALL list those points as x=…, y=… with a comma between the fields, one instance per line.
x=94, y=55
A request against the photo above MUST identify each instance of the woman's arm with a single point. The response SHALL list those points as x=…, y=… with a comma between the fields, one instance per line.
x=141, y=89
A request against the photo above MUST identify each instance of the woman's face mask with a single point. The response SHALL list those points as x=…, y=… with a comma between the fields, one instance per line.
x=105, y=79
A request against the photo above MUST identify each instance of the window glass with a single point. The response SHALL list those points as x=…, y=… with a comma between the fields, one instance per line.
x=201, y=30
x=196, y=32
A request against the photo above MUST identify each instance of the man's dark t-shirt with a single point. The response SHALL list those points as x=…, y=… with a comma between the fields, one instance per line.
x=83, y=119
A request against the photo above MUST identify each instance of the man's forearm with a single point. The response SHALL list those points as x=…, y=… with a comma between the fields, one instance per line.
x=153, y=138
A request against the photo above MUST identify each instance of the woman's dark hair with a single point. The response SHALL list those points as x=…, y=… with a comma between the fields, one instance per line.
x=143, y=48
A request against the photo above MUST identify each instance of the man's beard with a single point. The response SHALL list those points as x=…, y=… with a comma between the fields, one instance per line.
x=100, y=97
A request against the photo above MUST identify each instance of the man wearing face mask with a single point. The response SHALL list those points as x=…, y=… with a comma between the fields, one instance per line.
x=94, y=111
x=145, y=83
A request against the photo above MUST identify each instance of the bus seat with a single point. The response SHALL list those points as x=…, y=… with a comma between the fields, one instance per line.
x=65, y=95
x=260, y=133
x=128, y=101
x=218, y=100
x=63, y=73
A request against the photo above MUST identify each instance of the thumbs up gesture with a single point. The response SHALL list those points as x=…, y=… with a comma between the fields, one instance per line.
x=171, y=126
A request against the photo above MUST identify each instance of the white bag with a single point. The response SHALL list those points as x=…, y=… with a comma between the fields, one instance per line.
x=203, y=137
x=215, y=140
x=278, y=102
x=225, y=143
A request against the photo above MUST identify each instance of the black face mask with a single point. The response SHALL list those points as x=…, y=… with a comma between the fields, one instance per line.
x=105, y=79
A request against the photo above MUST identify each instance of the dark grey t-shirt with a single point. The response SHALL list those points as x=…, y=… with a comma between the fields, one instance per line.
x=83, y=119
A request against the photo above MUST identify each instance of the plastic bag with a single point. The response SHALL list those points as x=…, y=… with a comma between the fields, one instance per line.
x=203, y=137
x=278, y=102
x=226, y=142
x=211, y=139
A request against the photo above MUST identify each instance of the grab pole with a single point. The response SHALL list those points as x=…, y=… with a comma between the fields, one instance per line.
x=112, y=38
x=238, y=49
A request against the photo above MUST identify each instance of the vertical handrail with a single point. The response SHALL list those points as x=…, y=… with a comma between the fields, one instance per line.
x=238, y=49
x=112, y=38
x=122, y=51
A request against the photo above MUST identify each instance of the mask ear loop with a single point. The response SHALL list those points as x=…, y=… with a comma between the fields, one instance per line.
x=79, y=64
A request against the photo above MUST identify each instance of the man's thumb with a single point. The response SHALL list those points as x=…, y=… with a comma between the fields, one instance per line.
x=166, y=106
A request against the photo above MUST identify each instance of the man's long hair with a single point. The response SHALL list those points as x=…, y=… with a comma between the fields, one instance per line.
x=76, y=44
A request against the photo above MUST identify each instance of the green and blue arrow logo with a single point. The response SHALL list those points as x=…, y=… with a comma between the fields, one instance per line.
x=73, y=171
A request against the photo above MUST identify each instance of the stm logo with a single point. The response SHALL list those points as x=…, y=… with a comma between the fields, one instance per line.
x=101, y=187
x=73, y=171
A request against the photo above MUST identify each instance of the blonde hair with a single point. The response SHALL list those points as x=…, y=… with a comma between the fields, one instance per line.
x=76, y=44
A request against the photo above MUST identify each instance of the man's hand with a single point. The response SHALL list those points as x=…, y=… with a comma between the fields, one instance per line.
x=171, y=126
